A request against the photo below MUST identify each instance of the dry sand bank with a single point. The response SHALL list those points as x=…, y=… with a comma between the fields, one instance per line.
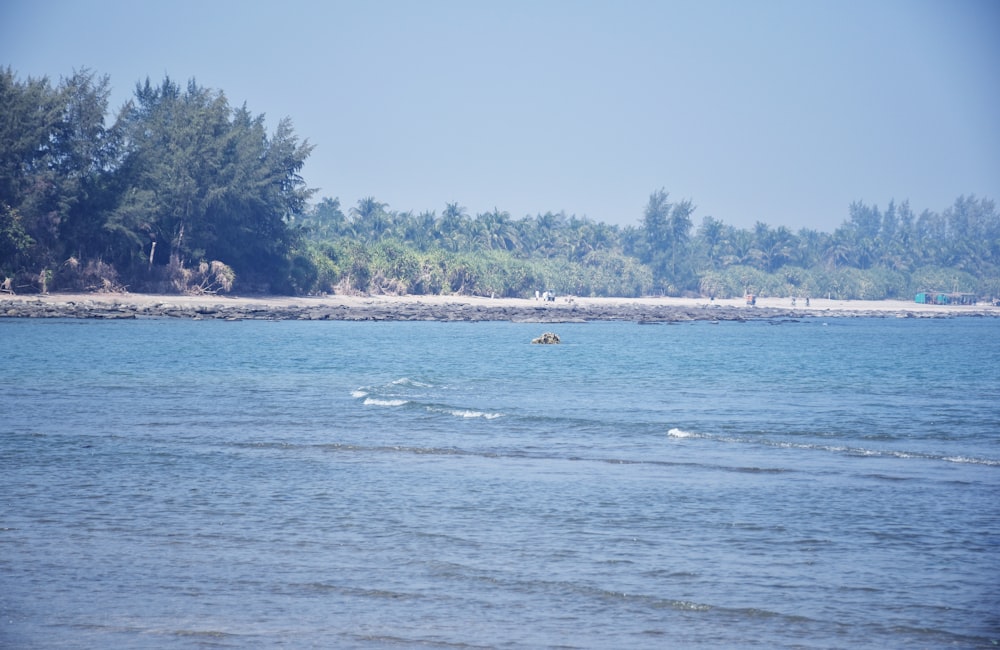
x=460, y=308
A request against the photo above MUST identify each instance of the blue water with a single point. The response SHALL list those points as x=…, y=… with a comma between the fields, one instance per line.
x=181, y=484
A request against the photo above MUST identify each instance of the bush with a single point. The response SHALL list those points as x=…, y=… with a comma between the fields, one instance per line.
x=935, y=278
x=95, y=275
x=988, y=288
x=208, y=278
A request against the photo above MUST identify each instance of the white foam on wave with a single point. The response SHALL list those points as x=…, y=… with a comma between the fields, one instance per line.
x=974, y=461
x=371, y=401
x=358, y=394
x=406, y=381
x=680, y=433
x=467, y=413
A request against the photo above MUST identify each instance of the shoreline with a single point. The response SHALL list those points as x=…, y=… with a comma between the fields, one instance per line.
x=462, y=308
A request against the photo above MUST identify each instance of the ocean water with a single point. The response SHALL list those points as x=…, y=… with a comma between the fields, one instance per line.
x=817, y=484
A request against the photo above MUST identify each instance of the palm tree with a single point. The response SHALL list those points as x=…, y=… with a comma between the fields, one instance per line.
x=771, y=247
x=419, y=230
x=547, y=234
x=738, y=247
x=839, y=250
x=451, y=230
x=495, y=231
x=710, y=236
x=808, y=248
x=370, y=219
x=326, y=221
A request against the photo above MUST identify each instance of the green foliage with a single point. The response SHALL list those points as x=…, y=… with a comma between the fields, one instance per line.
x=54, y=150
x=207, y=182
x=988, y=286
x=94, y=275
x=184, y=192
x=935, y=278
x=666, y=246
x=15, y=243
x=178, y=169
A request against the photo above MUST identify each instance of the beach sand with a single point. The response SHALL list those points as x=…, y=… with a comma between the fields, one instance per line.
x=454, y=307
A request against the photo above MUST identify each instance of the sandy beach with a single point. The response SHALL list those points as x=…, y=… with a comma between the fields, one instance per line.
x=450, y=308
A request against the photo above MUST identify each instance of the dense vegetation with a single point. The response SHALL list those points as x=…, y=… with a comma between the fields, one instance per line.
x=183, y=192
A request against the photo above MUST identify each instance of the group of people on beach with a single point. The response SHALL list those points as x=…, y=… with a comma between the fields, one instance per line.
x=547, y=296
x=752, y=300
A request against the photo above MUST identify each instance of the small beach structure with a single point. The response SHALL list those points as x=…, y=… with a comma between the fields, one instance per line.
x=942, y=298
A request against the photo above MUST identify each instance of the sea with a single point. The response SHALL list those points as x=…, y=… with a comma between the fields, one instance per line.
x=820, y=483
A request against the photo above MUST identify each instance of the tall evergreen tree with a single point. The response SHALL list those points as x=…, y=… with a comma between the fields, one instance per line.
x=667, y=229
x=203, y=181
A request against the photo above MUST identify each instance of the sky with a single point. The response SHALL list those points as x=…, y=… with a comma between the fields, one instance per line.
x=777, y=111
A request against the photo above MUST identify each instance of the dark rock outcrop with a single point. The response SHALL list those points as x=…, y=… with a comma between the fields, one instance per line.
x=548, y=338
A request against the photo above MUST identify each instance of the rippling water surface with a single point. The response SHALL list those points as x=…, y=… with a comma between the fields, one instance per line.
x=182, y=484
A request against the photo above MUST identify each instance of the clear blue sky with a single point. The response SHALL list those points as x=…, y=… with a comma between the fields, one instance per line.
x=777, y=111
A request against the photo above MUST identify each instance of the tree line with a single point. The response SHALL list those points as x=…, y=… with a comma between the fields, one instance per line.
x=183, y=192
x=875, y=254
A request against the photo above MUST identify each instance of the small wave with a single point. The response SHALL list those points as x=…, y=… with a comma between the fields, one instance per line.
x=389, y=390
x=466, y=413
x=839, y=449
x=975, y=461
x=371, y=401
x=890, y=453
x=406, y=381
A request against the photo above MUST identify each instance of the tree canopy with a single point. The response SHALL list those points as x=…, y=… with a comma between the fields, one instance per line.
x=184, y=192
x=178, y=179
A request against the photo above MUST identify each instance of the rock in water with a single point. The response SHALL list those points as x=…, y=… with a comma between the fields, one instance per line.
x=548, y=338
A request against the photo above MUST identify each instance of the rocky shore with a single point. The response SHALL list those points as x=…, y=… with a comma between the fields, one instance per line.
x=452, y=308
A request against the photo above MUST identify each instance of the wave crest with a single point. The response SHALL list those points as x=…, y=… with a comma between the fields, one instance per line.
x=406, y=381
x=372, y=401
x=468, y=413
